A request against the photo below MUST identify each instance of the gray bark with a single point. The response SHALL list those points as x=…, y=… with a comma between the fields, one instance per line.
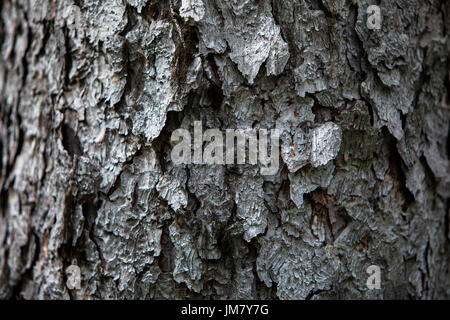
x=90, y=92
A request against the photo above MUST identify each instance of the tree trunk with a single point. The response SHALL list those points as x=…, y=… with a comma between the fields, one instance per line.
x=91, y=92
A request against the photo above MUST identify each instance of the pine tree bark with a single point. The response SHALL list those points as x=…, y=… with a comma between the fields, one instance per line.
x=91, y=91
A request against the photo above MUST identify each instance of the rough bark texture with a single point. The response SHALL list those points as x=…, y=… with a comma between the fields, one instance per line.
x=90, y=92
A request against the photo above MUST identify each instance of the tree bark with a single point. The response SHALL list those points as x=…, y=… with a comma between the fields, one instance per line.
x=91, y=91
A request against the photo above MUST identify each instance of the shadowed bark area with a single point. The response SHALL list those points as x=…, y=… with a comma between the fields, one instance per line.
x=91, y=92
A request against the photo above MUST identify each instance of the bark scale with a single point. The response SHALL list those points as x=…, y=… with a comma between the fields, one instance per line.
x=91, y=91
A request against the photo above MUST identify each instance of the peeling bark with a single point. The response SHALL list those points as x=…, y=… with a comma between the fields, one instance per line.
x=91, y=91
